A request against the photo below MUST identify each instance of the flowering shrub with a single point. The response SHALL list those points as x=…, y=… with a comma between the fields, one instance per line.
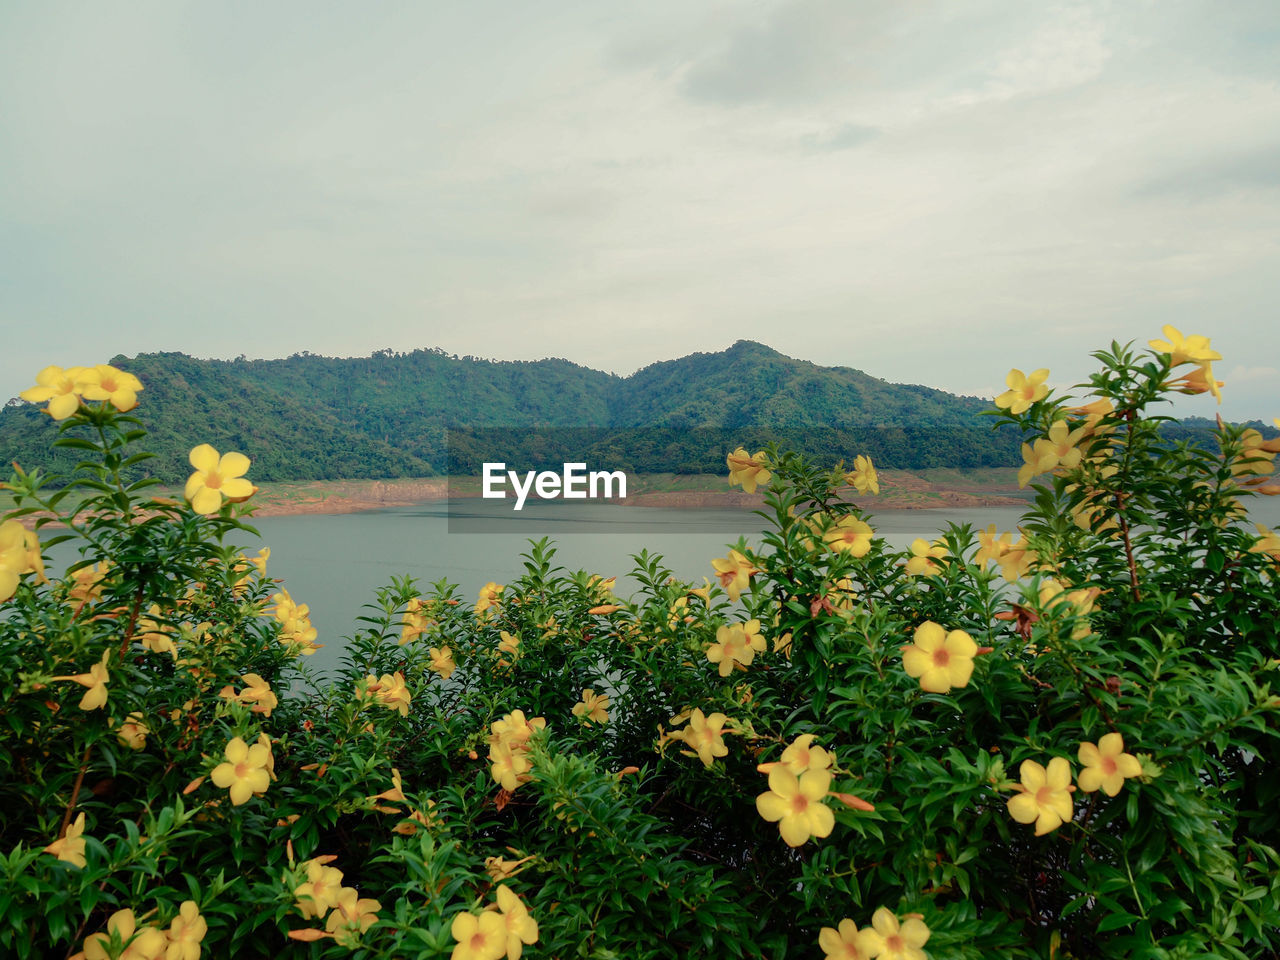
x=1055, y=741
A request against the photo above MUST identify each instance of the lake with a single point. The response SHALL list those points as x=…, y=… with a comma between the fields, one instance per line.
x=335, y=563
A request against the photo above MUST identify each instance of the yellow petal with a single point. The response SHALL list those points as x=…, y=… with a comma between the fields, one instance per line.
x=233, y=465
x=206, y=501
x=1023, y=808
x=204, y=458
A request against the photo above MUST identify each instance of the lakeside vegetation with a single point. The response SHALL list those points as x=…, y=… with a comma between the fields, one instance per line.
x=389, y=415
x=1052, y=741
x=425, y=414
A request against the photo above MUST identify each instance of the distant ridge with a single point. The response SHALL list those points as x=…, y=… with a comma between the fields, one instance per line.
x=309, y=417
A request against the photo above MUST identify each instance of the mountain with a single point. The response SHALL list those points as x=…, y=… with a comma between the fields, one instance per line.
x=396, y=414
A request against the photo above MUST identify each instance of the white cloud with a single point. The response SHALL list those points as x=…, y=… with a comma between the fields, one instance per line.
x=929, y=193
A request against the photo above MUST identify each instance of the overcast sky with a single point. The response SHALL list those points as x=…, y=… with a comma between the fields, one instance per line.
x=929, y=192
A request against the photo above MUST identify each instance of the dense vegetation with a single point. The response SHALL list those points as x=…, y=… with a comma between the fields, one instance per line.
x=389, y=415
x=1057, y=741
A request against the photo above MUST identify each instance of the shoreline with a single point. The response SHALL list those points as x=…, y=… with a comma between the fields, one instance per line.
x=936, y=489
x=900, y=490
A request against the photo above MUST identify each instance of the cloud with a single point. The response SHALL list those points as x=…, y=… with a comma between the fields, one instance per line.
x=932, y=193
x=1243, y=374
x=1229, y=171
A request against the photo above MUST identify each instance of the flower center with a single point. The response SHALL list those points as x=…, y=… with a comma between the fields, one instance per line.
x=1108, y=765
x=941, y=658
x=1044, y=796
x=800, y=803
x=213, y=480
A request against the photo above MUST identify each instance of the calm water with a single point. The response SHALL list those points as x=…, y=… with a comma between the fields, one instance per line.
x=335, y=563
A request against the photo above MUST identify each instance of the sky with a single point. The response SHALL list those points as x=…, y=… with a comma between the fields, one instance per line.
x=928, y=192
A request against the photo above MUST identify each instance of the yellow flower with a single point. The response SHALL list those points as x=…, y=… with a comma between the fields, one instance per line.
x=678, y=612
x=133, y=732
x=260, y=561
x=734, y=572
x=215, y=478
x=441, y=661
x=351, y=917
x=594, y=708
x=414, y=622
x=153, y=635
x=703, y=736
x=1106, y=765
x=1079, y=603
x=59, y=387
x=296, y=631
x=1058, y=446
x=408, y=827
x=500, y=869
x=478, y=938
x=19, y=554
x=146, y=943
x=1056, y=449
x=1045, y=795
x=87, y=583
x=1193, y=349
x=1017, y=560
x=509, y=765
x=849, y=535
x=186, y=931
x=1199, y=380
x=391, y=692
x=508, y=646
x=519, y=926
x=1268, y=542
x=801, y=755
x=490, y=596
x=70, y=846
x=863, y=477
x=747, y=470
x=941, y=660
x=514, y=728
x=1094, y=413
x=795, y=804
x=847, y=942
x=924, y=558
x=13, y=557
x=1023, y=390
x=320, y=891
x=1256, y=455
x=245, y=771
x=105, y=382
x=901, y=941
x=256, y=694
x=736, y=643
x=265, y=743
x=96, y=680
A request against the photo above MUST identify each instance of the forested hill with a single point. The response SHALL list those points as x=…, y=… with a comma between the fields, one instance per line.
x=310, y=417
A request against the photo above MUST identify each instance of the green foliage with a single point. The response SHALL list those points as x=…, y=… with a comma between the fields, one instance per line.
x=459, y=762
x=407, y=414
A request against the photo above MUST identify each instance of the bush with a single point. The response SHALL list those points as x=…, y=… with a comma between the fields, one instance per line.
x=1056, y=746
